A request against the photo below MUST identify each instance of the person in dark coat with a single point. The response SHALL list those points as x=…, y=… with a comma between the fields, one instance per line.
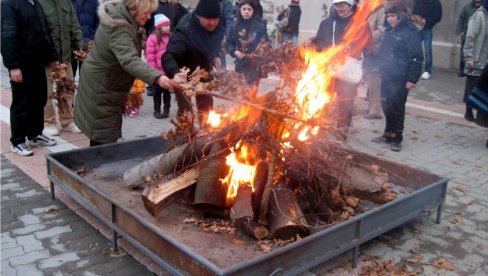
x=400, y=58
x=180, y=11
x=227, y=16
x=248, y=32
x=196, y=42
x=86, y=12
x=480, y=97
x=26, y=49
x=427, y=13
x=291, y=31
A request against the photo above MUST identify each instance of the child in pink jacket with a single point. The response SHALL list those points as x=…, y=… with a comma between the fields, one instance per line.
x=155, y=48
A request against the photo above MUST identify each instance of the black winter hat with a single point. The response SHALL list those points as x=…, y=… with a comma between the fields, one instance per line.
x=208, y=8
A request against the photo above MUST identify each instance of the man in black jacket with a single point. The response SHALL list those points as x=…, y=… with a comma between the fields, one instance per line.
x=290, y=33
x=26, y=49
x=196, y=42
x=427, y=13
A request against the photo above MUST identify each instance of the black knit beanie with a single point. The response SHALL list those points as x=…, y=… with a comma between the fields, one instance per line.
x=208, y=8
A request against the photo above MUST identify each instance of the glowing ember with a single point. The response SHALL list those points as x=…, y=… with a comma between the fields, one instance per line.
x=241, y=172
x=214, y=119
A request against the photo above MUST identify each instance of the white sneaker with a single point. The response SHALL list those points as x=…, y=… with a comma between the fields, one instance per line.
x=426, y=75
x=72, y=128
x=51, y=130
x=22, y=149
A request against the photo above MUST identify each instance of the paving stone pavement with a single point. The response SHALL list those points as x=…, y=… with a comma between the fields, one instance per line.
x=437, y=140
x=41, y=236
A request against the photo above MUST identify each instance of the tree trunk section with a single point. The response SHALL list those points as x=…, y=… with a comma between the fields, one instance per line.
x=157, y=197
x=285, y=217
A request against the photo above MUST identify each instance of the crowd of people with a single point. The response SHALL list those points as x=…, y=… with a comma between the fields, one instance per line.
x=153, y=40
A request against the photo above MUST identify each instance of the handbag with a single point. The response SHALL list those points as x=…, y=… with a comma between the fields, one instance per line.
x=351, y=71
x=478, y=100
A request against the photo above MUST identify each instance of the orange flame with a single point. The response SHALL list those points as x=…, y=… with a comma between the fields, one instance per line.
x=214, y=119
x=241, y=170
x=315, y=89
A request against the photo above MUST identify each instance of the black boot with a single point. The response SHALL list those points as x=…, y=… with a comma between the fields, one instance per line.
x=157, y=115
x=469, y=114
x=165, y=113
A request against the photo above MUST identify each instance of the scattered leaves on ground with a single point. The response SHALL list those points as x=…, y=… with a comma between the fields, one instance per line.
x=442, y=263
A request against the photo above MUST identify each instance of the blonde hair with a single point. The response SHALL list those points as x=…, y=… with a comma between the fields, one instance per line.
x=140, y=6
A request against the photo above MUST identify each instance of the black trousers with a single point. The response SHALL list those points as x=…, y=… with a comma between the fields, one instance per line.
x=471, y=82
x=393, y=100
x=158, y=91
x=204, y=103
x=75, y=65
x=28, y=100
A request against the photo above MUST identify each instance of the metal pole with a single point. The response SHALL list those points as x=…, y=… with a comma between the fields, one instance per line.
x=53, y=196
x=114, y=233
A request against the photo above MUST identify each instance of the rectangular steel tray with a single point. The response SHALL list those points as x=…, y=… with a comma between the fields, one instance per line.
x=183, y=249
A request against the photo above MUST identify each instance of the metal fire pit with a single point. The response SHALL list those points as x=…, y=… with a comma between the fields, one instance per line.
x=183, y=249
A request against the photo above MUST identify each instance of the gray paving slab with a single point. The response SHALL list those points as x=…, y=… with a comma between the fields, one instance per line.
x=34, y=245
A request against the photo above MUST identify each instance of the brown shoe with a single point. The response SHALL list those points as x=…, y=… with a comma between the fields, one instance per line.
x=396, y=146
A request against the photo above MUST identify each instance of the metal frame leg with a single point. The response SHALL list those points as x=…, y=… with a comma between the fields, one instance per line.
x=53, y=196
x=355, y=256
x=439, y=213
x=115, y=246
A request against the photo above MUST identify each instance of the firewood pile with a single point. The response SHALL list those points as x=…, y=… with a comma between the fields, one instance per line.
x=253, y=171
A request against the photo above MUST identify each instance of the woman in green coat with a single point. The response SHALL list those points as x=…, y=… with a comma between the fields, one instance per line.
x=111, y=67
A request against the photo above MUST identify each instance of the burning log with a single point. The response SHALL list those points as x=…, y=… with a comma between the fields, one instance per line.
x=209, y=189
x=241, y=212
x=286, y=219
x=157, y=197
x=260, y=181
x=264, y=202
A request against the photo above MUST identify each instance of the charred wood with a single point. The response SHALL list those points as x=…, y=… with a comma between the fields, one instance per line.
x=286, y=219
x=209, y=189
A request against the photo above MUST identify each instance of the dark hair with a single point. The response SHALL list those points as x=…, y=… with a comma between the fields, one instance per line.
x=248, y=2
x=399, y=9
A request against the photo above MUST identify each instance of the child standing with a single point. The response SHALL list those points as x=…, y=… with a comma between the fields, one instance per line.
x=133, y=100
x=247, y=33
x=400, y=68
x=155, y=48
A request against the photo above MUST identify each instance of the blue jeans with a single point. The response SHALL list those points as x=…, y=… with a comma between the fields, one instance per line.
x=426, y=35
x=290, y=37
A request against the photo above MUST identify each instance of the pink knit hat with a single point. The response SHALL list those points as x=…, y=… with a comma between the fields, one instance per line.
x=160, y=20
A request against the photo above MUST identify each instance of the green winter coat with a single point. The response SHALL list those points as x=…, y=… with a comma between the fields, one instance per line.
x=108, y=73
x=63, y=27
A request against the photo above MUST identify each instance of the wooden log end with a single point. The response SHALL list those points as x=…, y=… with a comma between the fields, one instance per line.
x=255, y=230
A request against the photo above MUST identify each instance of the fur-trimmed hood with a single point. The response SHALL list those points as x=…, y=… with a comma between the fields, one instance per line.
x=114, y=14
